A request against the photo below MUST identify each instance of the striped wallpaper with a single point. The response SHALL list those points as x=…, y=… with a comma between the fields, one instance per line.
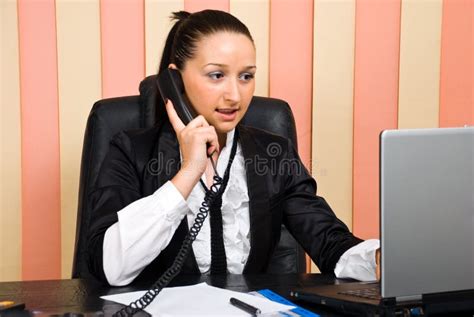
x=348, y=68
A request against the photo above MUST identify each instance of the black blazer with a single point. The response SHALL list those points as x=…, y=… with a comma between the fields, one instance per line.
x=280, y=190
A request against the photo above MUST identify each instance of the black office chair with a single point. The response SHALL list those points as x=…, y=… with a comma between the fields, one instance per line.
x=110, y=116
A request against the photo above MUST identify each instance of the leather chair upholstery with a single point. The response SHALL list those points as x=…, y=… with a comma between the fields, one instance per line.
x=110, y=116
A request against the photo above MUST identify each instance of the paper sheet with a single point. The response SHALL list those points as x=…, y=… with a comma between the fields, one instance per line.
x=199, y=300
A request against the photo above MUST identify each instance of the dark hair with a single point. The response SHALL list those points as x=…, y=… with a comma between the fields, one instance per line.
x=191, y=28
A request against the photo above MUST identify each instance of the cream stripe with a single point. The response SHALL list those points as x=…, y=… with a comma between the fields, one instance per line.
x=256, y=15
x=10, y=189
x=157, y=26
x=333, y=74
x=333, y=103
x=79, y=80
x=420, y=47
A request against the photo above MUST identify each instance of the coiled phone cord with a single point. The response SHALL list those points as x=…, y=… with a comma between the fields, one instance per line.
x=183, y=252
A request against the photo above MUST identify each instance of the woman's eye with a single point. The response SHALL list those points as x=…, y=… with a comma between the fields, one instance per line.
x=216, y=75
x=247, y=76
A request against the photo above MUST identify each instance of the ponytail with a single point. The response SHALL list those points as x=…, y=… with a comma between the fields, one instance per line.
x=166, y=59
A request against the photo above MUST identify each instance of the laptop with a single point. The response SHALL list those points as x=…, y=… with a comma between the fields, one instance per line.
x=426, y=229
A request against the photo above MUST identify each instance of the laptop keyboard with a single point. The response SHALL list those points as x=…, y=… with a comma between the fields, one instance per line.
x=370, y=293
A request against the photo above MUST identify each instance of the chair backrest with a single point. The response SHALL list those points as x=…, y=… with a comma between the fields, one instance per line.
x=110, y=116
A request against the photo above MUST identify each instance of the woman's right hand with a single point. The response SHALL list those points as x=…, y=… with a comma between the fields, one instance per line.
x=193, y=139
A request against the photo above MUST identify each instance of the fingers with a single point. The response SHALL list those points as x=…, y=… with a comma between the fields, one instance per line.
x=178, y=124
x=206, y=135
x=213, y=142
x=213, y=153
x=175, y=121
x=199, y=121
x=213, y=146
x=198, y=133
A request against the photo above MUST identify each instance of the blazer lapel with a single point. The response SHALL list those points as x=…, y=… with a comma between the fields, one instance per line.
x=260, y=216
x=168, y=161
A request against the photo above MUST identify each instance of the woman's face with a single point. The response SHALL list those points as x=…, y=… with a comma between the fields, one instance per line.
x=219, y=80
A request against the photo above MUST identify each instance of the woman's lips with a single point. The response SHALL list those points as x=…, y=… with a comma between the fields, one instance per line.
x=227, y=114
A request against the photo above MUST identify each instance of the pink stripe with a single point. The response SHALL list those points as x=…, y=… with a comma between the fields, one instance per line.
x=123, y=46
x=198, y=5
x=41, y=216
x=457, y=64
x=291, y=63
x=375, y=103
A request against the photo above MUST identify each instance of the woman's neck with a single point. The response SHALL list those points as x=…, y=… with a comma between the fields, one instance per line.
x=222, y=138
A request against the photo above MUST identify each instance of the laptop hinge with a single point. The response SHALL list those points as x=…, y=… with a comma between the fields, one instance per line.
x=409, y=298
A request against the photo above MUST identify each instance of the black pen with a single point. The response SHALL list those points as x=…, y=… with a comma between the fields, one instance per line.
x=254, y=311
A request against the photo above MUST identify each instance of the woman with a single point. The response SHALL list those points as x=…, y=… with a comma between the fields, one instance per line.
x=140, y=218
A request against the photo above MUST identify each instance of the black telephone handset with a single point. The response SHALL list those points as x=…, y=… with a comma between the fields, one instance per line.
x=170, y=85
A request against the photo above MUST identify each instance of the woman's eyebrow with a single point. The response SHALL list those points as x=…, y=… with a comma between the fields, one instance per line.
x=215, y=64
x=224, y=65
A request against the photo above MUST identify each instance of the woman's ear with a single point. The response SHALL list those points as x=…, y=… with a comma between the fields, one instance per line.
x=172, y=66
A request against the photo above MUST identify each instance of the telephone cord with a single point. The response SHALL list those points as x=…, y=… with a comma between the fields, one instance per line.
x=177, y=265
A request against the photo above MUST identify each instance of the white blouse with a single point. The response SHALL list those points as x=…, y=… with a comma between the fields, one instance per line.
x=132, y=243
x=235, y=214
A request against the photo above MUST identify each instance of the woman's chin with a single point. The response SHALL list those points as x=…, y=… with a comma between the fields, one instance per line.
x=225, y=127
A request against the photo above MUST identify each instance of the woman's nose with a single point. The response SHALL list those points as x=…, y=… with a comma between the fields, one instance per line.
x=232, y=92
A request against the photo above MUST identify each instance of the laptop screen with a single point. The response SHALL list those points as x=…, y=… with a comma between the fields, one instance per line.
x=427, y=211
